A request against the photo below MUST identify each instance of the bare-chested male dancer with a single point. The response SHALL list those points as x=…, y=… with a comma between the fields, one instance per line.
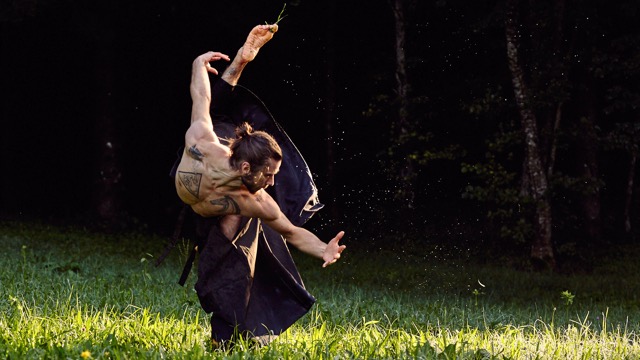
x=248, y=288
x=217, y=180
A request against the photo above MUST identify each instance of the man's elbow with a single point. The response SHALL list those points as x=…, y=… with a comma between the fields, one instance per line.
x=289, y=233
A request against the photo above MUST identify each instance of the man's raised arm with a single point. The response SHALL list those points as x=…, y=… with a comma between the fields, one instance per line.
x=200, y=88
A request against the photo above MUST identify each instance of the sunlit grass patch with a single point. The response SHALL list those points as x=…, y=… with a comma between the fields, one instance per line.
x=72, y=294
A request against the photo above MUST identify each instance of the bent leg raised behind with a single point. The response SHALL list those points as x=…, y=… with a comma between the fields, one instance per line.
x=257, y=38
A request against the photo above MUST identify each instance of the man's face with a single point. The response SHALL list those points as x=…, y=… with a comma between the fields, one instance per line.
x=263, y=177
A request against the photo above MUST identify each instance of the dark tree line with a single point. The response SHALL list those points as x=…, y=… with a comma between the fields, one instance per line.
x=508, y=127
x=546, y=177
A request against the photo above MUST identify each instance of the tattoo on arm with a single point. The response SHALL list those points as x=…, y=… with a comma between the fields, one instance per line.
x=230, y=73
x=191, y=181
x=232, y=70
x=195, y=153
x=229, y=206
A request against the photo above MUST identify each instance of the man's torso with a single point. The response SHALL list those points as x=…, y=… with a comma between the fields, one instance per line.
x=205, y=181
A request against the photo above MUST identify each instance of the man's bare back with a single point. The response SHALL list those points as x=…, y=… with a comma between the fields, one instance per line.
x=204, y=177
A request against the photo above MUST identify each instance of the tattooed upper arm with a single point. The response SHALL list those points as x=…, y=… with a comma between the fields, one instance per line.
x=227, y=205
x=195, y=153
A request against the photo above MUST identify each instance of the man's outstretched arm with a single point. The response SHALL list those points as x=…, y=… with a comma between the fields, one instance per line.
x=200, y=88
x=303, y=239
x=258, y=36
x=262, y=206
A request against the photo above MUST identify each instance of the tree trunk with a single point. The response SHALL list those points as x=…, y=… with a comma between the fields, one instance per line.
x=542, y=252
x=551, y=163
x=560, y=74
x=403, y=126
x=589, y=168
x=629, y=192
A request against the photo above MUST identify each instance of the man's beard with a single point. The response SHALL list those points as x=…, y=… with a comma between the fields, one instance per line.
x=251, y=186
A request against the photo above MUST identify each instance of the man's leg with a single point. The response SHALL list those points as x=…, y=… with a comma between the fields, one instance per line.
x=230, y=224
x=258, y=36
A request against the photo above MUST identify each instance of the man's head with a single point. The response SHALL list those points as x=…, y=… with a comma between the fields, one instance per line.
x=256, y=155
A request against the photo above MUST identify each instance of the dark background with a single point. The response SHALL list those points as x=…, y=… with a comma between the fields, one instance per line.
x=78, y=74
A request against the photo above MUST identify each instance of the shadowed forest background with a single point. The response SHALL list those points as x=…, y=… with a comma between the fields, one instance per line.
x=504, y=129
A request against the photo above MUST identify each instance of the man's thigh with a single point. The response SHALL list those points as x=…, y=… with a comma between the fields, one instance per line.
x=229, y=225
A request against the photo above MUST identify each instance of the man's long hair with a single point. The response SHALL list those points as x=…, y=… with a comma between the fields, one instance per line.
x=254, y=147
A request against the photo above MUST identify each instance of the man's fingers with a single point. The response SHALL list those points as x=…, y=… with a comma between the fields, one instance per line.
x=214, y=55
x=327, y=263
x=211, y=69
x=210, y=57
x=216, y=58
x=336, y=249
x=336, y=256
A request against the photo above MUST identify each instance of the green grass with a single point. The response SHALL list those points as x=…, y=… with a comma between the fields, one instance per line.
x=65, y=293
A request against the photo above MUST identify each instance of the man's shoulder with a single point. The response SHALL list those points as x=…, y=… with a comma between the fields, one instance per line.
x=199, y=148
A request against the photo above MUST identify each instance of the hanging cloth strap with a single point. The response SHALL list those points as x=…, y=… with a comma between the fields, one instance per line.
x=176, y=235
x=187, y=266
x=174, y=240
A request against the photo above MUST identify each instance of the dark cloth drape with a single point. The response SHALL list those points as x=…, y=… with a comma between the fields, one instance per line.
x=294, y=189
x=250, y=284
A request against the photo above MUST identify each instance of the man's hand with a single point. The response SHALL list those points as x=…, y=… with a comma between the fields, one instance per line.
x=333, y=250
x=204, y=59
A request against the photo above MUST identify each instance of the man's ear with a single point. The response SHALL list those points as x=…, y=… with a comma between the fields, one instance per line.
x=245, y=168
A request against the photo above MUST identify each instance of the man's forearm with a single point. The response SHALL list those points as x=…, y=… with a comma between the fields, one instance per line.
x=200, y=86
x=305, y=241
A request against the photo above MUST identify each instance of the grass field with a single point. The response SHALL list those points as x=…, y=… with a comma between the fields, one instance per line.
x=72, y=294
